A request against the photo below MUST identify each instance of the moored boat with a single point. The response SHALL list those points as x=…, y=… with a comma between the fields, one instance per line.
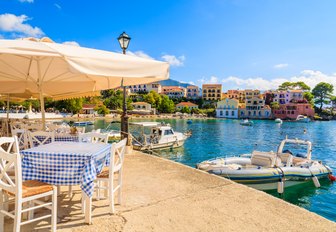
x=246, y=122
x=302, y=118
x=161, y=136
x=271, y=170
x=278, y=120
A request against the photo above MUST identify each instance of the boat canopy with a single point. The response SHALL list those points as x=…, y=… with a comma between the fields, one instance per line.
x=296, y=141
x=146, y=124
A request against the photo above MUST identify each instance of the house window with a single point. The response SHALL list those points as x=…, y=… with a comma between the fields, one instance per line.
x=221, y=113
x=226, y=113
x=232, y=113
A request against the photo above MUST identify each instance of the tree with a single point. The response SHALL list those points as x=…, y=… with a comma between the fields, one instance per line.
x=102, y=110
x=309, y=97
x=166, y=105
x=285, y=86
x=153, y=98
x=2, y=103
x=70, y=105
x=185, y=110
x=322, y=94
x=275, y=105
x=333, y=101
x=294, y=85
x=74, y=105
x=113, y=99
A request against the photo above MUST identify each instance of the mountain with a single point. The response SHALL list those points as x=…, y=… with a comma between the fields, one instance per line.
x=171, y=82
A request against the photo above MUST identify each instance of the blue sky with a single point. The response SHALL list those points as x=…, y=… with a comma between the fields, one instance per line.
x=239, y=43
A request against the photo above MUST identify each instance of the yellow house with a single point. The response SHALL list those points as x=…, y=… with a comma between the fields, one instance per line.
x=249, y=93
x=212, y=92
x=227, y=108
x=255, y=108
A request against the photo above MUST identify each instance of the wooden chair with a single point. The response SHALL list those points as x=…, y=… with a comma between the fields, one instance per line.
x=114, y=170
x=93, y=137
x=22, y=136
x=24, y=192
x=38, y=138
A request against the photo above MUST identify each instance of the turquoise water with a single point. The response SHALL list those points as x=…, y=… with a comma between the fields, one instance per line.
x=219, y=137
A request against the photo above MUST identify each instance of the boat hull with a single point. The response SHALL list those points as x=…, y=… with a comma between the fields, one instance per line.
x=268, y=178
x=160, y=146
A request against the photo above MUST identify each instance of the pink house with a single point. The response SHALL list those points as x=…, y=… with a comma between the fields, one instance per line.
x=292, y=110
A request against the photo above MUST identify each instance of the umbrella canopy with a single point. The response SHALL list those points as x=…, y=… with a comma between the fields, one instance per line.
x=58, y=70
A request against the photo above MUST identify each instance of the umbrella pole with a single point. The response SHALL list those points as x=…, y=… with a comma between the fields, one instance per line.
x=42, y=110
x=7, y=121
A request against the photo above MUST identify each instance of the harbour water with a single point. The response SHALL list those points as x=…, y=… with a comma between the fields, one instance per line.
x=219, y=138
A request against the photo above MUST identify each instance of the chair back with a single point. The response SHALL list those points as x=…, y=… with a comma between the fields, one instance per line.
x=117, y=157
x=9, y=158
x=93, y=137
x=22, y=136
x=38, y=138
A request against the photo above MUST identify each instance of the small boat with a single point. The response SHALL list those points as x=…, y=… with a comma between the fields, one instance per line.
x=189, y=121
x=302, y=118
x=161, y=136
x=271, y=170
x=83, y=123
x=246, y=122
x=278, y=120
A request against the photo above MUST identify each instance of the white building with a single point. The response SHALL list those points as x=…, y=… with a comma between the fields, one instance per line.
x=227, y=108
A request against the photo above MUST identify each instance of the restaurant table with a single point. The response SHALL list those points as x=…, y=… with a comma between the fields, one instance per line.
x=67, y=163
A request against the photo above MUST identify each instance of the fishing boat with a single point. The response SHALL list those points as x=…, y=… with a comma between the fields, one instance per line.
x=271, y=170
x=246, y=122
x=160, y=136
x=302, y=118
x=278, y=120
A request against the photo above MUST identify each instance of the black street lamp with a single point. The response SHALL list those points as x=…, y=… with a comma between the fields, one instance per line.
x=124, y=40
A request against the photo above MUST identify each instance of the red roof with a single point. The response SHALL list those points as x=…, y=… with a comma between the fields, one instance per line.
x=186, y=104
x=88, y=106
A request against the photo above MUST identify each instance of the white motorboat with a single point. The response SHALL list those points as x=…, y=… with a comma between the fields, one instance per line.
x=160, y=136
x=271, y=170
x=246, y=122
x=278, y=120
x=302, y=118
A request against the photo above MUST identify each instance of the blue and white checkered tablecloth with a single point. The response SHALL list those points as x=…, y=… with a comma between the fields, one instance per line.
x=66, y=163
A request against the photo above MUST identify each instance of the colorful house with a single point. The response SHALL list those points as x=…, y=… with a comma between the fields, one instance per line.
x=142, y=108
x=227, y=108
x=193, y=92
x=255, y=108
x=212, y=92
x=292, y=110
x=189, y=105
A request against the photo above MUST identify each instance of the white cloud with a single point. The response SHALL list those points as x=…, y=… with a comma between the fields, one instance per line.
x=17, y=25
x=29, y=1
x=280, y=66
x=139, y=54
x=310, y=77
x=173, y=60
x=72, y=43
x=57, y=6
x=212, y=80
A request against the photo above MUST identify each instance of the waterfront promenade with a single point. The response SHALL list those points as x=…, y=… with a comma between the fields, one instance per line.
x=160, y=195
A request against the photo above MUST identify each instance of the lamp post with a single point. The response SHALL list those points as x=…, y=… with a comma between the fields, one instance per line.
x=124, y=40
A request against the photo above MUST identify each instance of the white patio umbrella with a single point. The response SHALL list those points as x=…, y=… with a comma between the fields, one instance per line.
x=60, y=71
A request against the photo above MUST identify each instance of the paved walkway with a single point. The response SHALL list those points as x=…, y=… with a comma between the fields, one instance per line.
x=160, y=195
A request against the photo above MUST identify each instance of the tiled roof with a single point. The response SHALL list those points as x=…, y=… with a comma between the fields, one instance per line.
x=88, y=106
x=186, y=104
